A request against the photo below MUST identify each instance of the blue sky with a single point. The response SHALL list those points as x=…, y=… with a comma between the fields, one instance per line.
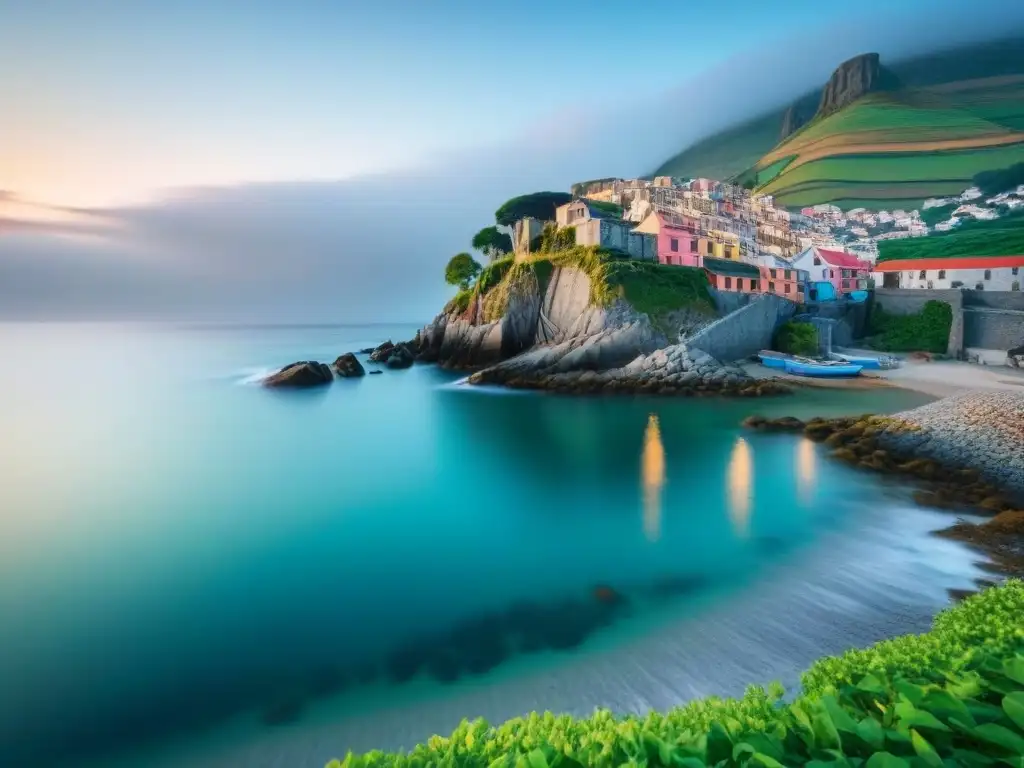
x=111, y=99
x=322, y=160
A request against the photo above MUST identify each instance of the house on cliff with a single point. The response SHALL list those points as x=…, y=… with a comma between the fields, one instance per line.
x=675, y=237
x=730, y=275
x=832, y=273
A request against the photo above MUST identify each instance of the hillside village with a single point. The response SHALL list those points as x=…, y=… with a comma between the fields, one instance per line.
x=748, y=244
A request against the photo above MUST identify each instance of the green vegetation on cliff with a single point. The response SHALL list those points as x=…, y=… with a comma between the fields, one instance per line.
x=952, y=696
x=924, y=331
x=996, y=237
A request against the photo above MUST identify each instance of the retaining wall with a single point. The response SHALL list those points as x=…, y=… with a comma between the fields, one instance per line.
x=744, y=331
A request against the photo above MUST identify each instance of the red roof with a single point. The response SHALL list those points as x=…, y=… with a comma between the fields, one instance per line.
x=841, y=259
x=954, y=262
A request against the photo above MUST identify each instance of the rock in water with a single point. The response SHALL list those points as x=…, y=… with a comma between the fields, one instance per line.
x=400, y=357
x=307, y=373
x=382, y=353
x=347, y=366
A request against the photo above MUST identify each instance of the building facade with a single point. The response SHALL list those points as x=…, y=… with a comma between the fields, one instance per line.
x=729, y=275
x=844, y=271
x=675, y=236
x=617, y=235
x=982, y=273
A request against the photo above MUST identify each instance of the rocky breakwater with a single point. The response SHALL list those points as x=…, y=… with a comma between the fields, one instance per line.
x=572, y=367
x=964, y=452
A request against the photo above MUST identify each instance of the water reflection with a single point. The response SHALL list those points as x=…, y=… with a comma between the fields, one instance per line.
x=805, y=470
x=652, y=478
x=740, y=486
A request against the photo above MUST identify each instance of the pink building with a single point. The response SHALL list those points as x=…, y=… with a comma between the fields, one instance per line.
x=843, y=270
x=676, y=238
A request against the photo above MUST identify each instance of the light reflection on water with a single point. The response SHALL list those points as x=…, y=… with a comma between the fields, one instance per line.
x=652, y=478
x=740, y=488
x=805, y=470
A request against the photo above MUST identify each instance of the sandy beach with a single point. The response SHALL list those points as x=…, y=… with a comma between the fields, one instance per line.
x=938, y=378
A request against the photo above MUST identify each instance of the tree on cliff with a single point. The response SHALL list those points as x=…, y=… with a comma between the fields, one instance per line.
x=460, y=270
x=539, y=205
x=492, y=242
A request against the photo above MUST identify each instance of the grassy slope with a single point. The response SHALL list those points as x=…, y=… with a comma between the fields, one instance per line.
x=944, y=96
x=1000, y=237
x=886, y=701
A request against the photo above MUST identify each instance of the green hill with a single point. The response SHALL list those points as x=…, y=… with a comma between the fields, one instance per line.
x=943, y=118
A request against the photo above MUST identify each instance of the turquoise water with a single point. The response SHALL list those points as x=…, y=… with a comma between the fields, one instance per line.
x=193, y=565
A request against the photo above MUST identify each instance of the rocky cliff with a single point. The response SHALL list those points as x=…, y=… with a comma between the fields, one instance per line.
x=552, y=334
x=851, y=80
x=793, y=119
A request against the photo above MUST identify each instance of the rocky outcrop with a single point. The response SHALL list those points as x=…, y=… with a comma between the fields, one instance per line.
x=381, y=353
x=671, y=370
x=308, y=373
x=851, y=80
x=792, y=120
x=347, y=366
x=401, y=356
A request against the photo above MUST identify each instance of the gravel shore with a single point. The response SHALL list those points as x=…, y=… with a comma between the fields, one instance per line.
x=980, y=430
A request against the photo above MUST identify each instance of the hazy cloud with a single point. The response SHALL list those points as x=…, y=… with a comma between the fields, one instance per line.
x=373, y=248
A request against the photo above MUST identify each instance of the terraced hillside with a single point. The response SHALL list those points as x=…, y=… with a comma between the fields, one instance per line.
x=955, y=113
x=896, y=148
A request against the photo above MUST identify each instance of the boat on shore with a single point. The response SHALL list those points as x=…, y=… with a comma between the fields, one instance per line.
x=821, y=368
x=882, y=362
x=772, y=359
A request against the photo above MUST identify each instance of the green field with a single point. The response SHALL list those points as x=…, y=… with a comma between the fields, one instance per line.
x=889, y=175
x=1000, y=237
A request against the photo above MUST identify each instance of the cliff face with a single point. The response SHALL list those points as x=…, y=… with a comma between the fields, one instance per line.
x=851, y=80
x=792, y=121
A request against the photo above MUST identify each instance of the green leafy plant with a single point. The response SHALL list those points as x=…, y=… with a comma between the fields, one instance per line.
x=796, y=338
x=951, y=697
x=539, y=205
x=927, y=330
x=492, y=242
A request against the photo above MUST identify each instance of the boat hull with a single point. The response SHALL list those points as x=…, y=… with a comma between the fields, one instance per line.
x=773, y=362
x=822, y=371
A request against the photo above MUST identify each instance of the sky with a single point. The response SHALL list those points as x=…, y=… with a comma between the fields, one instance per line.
x=321, y=160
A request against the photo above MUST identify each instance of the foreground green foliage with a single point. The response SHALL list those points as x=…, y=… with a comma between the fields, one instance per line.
x=998, y=237
x=927, y=330
x=796, y=338
x=951, y=697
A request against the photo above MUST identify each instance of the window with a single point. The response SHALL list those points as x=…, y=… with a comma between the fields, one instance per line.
x=988, y=274
x=817, y=261
x=772, y=272
x=771, y=287
x=979, y=287
x=673, y=245
x=942, y=274
x=739, y=283
x=1014, y=270
x=924, y=274
x=929, y=285
x=788, y=273
x=1015, y=286
x=693, y=246
x=728, y=283
x=788, y=288
x=824, y=273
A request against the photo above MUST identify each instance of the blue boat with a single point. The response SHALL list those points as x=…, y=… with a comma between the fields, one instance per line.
x=772, y=359
x=871, y=363
x=821, y=368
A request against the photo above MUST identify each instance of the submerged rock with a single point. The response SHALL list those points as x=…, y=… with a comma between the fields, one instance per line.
x=307, y=373
x=348, y=366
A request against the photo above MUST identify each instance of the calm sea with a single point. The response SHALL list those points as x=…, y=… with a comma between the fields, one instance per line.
x=197, y=571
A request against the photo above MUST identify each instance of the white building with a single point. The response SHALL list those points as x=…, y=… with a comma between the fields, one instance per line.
x=985, y=273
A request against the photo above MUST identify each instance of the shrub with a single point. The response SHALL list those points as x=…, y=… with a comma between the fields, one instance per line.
x=460, y=302
x=954, y=696
x=927, y=330
x=461, y=269
x=796, y=338
x=493, y=274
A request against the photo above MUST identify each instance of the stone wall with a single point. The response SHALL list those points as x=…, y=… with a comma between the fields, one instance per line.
x=745, y=331
x=728, y=301
x=901, y=301
x=993, y=329
x=1013, y=300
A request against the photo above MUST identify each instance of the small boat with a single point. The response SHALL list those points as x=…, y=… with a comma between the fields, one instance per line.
x=770, y=359
x=871, y=363
x=821, y=368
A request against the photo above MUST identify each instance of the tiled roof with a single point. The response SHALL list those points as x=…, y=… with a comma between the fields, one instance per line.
x=730, y=267
x=841, y=259
x=950, y=262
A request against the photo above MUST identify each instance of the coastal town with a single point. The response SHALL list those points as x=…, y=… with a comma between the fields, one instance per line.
x=747, y=244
